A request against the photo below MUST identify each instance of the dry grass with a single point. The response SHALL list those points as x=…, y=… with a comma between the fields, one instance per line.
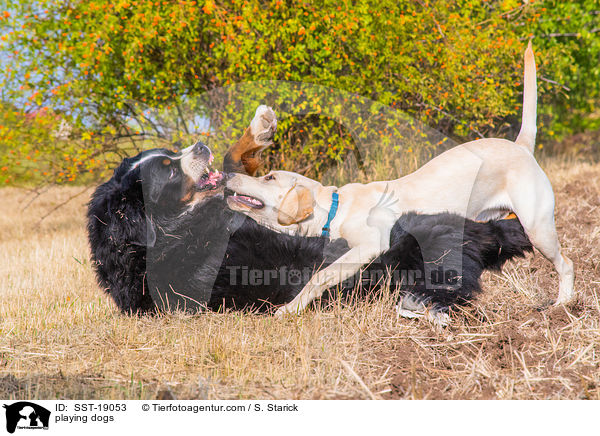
x=60, y=337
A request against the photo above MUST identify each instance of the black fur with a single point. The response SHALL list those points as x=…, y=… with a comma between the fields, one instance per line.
x=117, y=233
x=436, y=246
x=140, y=249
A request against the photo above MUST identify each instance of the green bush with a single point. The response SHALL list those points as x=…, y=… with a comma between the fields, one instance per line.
x=343, y=75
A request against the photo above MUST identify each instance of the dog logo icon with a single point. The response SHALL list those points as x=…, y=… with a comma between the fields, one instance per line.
x=26, y=415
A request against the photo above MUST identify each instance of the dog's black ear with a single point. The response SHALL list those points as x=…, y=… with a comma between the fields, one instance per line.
x=134, y=178
x=155, y=191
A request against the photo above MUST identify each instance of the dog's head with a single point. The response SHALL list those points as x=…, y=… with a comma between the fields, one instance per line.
x=278, y=200
x=171, y=180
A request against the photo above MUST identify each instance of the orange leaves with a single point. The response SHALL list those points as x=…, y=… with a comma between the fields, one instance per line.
x=208, y=7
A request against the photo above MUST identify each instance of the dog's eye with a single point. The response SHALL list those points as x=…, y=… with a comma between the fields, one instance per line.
x=269, y=177
x=166, y=162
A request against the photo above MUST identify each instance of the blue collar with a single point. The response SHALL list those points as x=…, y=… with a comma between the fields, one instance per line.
x=332, y=212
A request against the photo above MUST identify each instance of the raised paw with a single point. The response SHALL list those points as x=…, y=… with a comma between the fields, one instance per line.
x=263, y=126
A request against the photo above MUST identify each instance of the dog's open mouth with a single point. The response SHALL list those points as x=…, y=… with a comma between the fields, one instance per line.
x=210, y=180
x=244, y=201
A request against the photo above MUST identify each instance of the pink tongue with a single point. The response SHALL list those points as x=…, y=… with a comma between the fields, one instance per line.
x=213, y=178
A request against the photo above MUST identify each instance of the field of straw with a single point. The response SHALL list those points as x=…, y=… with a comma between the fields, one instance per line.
x=62, y=337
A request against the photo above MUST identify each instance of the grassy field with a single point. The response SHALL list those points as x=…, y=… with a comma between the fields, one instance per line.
x=61, y=337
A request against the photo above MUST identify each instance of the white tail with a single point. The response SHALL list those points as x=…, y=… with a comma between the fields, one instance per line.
x=528, y=130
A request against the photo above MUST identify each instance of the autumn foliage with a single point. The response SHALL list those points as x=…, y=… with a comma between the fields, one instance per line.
x=124, y=75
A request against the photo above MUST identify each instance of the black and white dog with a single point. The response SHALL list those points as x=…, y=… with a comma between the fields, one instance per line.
x=161, y=235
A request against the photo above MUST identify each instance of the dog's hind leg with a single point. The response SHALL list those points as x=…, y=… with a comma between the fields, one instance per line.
x=535, y=210
x=543, y=237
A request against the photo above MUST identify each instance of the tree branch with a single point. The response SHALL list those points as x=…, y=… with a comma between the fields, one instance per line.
x=555, y=83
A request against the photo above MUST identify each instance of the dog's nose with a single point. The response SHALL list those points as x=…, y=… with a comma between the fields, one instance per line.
x=201, y=149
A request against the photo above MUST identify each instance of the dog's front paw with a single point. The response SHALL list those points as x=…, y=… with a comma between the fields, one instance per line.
x=281, y=312
x=264, y=125
x=287, y=309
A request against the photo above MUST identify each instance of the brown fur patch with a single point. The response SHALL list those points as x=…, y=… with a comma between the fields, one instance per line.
x=244, y=156
x=188, y=190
